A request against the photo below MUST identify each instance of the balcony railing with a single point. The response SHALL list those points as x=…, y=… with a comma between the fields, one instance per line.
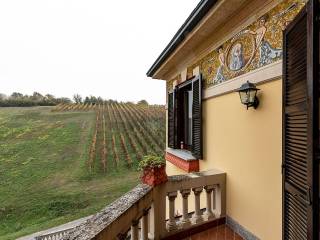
x=54, y=235
x=141, y=213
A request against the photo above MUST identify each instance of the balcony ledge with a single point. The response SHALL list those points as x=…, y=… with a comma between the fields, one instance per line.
x=94, y=226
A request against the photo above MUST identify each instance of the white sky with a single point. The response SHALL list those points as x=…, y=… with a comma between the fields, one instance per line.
x=91, y=47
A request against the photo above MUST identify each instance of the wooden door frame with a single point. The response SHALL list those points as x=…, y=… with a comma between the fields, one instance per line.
x=313, y=103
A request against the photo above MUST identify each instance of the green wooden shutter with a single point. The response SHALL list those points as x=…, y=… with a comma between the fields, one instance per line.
x=197, y=118
x=300, y=129
x=171, y=120
x=177, y=118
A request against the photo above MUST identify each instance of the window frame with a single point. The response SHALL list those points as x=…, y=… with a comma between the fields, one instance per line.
x=179, y=116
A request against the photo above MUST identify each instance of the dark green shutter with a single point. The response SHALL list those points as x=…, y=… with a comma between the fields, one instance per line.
x=171, y=120
x=177, y=118
x=197, y=118
x=300, y=129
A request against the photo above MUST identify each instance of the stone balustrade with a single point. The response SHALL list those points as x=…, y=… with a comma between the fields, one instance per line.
x=141, y=213
x=54, y=236
x=191, y=187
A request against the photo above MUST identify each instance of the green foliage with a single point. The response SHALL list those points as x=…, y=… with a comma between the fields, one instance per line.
x=143, y=102
x=152, y=161
x=36, y=99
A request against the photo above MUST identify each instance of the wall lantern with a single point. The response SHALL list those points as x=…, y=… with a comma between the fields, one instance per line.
x=248, y=95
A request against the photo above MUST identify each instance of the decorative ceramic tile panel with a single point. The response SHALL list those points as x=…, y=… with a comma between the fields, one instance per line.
x=170, y=83
x=258, y=45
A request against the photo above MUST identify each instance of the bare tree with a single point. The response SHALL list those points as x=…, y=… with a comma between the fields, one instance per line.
x=77, y=98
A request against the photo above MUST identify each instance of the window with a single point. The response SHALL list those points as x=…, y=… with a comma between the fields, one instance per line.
x=184, y=117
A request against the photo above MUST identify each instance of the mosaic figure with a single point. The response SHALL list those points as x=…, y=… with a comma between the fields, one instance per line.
x=266, y=51
x=268, y=54
x=237, y=60
x=219, y=78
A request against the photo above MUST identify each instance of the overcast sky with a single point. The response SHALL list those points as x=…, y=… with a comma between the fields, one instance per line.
x=91, y=47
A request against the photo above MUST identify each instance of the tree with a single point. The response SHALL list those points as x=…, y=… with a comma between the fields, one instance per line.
x=37, y=96
x=63, y=100
x=87, y=100
x=50, y=97
x=100, y=100
x=16, y=95
x=77, y=98
x=3, y=97
x=143, y=102
x=93, y=100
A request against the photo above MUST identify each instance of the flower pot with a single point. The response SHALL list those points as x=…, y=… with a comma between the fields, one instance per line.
x=154, y=175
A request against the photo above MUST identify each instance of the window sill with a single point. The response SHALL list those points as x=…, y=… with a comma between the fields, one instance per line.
x=182, y=159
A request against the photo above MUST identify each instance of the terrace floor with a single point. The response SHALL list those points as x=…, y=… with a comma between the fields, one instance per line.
x=222, y=232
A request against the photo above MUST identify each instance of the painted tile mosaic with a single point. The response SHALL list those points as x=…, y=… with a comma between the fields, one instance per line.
x=257, y=45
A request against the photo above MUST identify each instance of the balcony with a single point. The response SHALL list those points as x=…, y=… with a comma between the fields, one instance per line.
x=185, y=205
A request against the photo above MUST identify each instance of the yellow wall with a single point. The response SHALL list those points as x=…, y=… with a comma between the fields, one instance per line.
x=247, y=146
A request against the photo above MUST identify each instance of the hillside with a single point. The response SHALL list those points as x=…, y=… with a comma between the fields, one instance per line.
x=123, y=133
x=63, y=163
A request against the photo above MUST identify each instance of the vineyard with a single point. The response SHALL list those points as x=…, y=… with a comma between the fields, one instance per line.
x=123, y=133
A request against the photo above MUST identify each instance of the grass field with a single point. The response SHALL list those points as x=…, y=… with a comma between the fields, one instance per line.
x=44, y=175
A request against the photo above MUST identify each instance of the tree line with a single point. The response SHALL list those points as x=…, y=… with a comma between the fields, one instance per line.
x=17, y=99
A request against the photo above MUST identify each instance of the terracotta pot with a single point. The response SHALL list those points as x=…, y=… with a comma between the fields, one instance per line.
x=154, y=176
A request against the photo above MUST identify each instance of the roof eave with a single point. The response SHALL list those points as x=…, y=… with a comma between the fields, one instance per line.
x=195, y=17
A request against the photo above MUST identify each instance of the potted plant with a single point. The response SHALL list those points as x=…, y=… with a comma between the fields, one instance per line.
x=153, y=167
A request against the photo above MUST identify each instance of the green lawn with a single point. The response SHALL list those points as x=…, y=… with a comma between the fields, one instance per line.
x=44, y=179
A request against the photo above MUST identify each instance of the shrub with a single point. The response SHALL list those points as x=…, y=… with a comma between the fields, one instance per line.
x=152, y=161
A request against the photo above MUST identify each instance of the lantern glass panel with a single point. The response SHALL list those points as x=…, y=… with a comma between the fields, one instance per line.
x=244, y=96
x=252, y=96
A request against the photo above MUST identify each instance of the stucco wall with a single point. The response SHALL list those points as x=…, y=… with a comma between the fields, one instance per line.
x=247, y=146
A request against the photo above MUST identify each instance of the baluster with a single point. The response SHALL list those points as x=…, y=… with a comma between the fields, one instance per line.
x=185, y=221
x=171, y=224
x=144, y=225
x=208, y=215
x=135, y=230
x=214, y=200
x=218, y=201
x=197, y=218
